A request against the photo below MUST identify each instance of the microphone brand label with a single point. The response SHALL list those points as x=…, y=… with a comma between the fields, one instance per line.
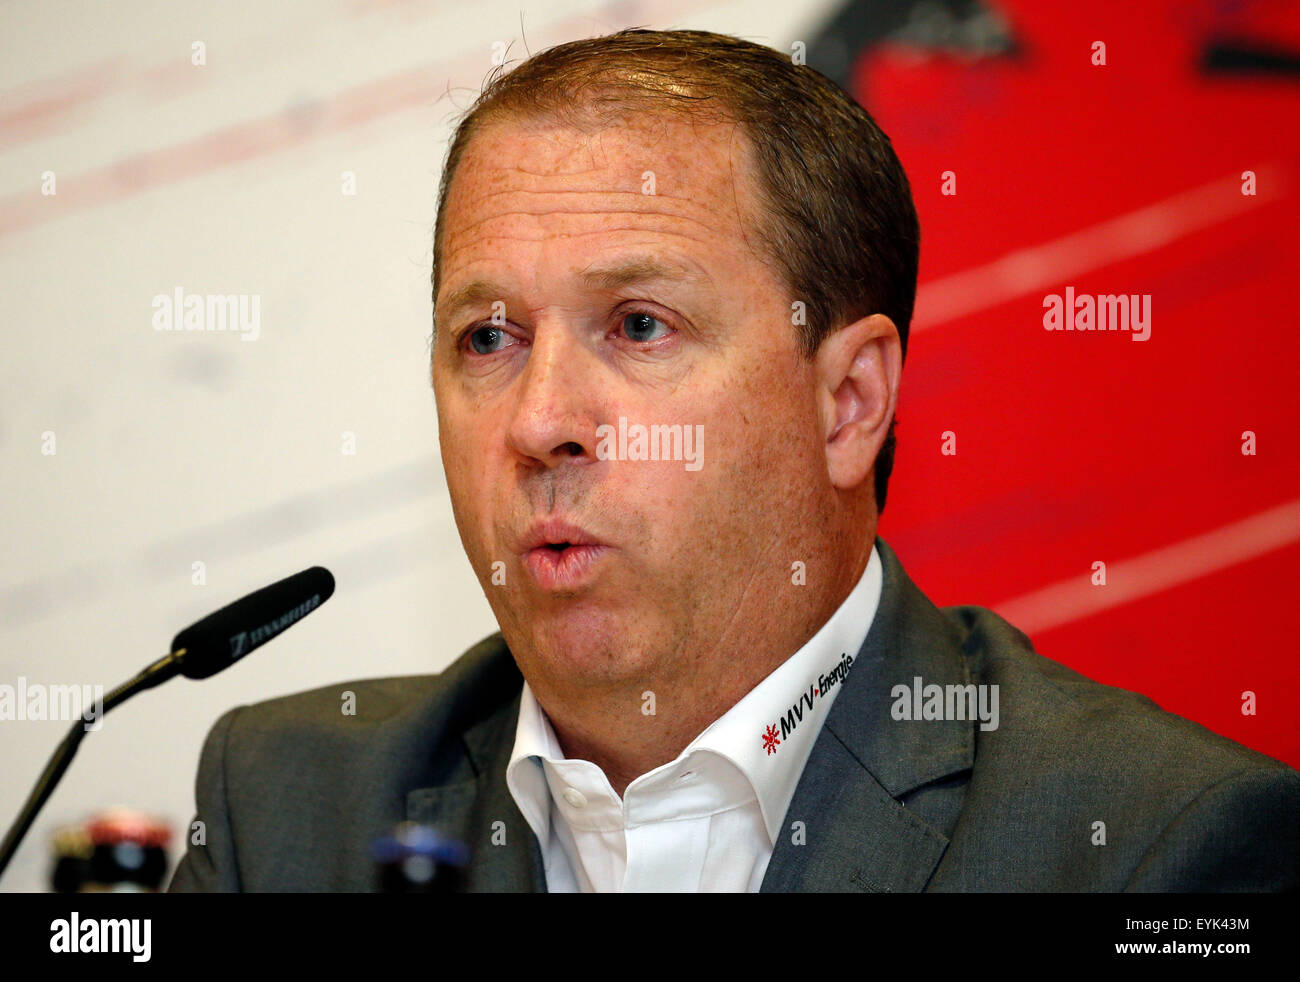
x=245, y=641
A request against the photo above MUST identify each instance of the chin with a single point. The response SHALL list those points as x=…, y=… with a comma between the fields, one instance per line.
x=573, y=644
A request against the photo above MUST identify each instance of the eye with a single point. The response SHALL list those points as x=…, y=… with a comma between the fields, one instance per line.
x=640, y=326
x=488, y=339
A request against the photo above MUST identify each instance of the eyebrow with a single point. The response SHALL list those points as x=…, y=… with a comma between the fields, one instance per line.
x=634, y=271
x=470, y=295
x=623, y=274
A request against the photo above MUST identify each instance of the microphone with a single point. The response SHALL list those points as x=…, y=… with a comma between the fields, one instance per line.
x=198, y=652
x=221, y=639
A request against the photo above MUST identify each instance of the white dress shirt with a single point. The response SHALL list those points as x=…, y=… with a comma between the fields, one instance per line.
x=709, y=820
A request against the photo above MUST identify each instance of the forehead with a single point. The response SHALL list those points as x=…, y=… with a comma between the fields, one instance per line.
x=681, y=184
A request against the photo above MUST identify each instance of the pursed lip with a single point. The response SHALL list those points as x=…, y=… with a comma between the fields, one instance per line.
x=556, y=531
x=560, y=556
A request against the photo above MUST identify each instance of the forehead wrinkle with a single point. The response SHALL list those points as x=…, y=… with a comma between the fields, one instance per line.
x=648, y=199
x=502, y=174
x=722, y=191
x=496, y=153
x=452, y=248
x=522, y=169
x=472, y=227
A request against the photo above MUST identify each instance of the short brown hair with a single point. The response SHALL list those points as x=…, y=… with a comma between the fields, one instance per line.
x=839, y=219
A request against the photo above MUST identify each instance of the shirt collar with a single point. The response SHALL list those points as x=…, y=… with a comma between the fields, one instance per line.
x=535, y=741
x=768, y=735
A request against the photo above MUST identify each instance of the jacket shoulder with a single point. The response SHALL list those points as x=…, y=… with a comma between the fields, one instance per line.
x=1098, y=787
x=1085, y=724
x=358, y=711
x=291, y=788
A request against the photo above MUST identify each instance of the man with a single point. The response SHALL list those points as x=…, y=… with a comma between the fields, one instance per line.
x=673, y=276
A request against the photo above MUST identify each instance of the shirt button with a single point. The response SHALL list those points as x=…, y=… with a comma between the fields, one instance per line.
x=575, y=797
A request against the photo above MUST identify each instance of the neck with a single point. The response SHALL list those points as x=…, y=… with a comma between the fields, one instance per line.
x=631, y=729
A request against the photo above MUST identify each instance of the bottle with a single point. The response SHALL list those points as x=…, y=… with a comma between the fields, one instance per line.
x=416, y=858
x=117, y=851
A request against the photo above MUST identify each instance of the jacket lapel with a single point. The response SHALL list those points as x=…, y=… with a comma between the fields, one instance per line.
x=858, y=835
x=481, y=813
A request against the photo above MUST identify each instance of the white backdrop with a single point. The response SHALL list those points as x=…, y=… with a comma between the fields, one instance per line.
x=176, y=448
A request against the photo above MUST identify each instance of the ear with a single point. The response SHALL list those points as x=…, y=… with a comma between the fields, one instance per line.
x=858, y=369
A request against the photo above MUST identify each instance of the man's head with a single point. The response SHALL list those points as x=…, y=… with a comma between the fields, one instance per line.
x=678, y=230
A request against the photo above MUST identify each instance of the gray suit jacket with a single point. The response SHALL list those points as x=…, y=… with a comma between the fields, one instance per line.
x=292, y=791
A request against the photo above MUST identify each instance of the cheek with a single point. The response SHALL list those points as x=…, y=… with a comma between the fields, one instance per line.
x=457, y=464
x=465, y=466
x=464, y=430
x=699, y=517
x=764, y=450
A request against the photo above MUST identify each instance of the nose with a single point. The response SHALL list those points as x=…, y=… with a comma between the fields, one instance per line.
x=552, y=420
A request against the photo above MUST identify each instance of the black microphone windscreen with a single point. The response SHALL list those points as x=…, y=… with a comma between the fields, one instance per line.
x=224, y=637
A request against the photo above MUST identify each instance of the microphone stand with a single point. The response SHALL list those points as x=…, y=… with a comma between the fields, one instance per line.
x=157, y=673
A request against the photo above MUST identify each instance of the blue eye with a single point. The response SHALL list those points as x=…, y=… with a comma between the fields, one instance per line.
x=641, y=327
x=486, y=340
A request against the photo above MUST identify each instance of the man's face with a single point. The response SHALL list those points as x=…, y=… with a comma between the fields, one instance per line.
x=621, y=294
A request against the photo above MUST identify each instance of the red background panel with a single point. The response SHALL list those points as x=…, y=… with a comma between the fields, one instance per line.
x=1081, y=447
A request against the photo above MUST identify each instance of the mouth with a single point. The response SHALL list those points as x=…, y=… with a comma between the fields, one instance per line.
x=560, y=556
x=562, y=566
